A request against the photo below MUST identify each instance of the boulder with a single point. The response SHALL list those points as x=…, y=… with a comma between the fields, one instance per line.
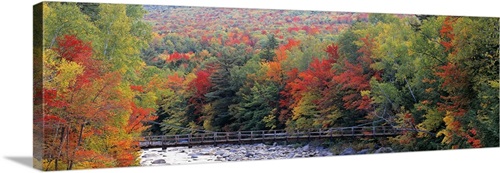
x=159, y=161
x=248, y=154
x=348, y=151
x=326, y=153
x=261, y=145
x=232, y=159
x=149, y=155
x=305, y=148
x=364, y=151
x=173, y=149
x=219, y=153
x=145, y=163
x=273, y=155
x=219, y=158
x=384, y=150
x=205, y=152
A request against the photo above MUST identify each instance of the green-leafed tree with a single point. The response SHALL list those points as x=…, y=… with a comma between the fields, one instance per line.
x=269, y=47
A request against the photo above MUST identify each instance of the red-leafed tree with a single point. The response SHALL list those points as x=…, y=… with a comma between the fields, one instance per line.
x=286, y=101
x=355, y=77
x=446, y=33
x=138, y=117
x=199, y=86
x=455, y=104
x=73, y=49
x=308, y=91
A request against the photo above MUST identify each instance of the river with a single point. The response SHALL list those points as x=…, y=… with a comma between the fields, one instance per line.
x=224, y=153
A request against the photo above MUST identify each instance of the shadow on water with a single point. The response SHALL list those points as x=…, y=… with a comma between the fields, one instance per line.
x=23, y=160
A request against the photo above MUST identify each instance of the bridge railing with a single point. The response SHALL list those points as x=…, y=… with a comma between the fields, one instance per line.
x=264, y=135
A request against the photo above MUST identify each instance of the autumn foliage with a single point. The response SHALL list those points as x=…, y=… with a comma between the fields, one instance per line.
x=110, y=78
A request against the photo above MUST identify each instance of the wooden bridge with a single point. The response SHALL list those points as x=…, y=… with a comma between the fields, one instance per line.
x=240, y=137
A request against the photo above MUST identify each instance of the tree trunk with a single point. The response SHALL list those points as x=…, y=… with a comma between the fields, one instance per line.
x=78, y=144
x=411, y=91
x=60, y=147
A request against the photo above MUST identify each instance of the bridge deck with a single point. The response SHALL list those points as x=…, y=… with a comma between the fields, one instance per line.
x=262, y=136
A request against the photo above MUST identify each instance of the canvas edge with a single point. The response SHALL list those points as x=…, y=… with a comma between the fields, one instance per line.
x=37, y=85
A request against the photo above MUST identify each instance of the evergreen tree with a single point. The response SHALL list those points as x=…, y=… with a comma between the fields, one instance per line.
x=268, y=52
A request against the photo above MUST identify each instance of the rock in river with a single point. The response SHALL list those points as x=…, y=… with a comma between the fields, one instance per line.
x=305, y=148
x=384, y=150
x=205, y=152
x=365, y=151
x=150, y=155
x=159, y=161
x=348, y=151
x=219, y=153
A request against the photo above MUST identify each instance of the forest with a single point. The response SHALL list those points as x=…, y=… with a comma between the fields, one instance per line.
x=113, y=73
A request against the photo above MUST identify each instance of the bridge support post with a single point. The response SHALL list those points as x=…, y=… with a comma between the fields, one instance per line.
x=202, y=138
x=320, y=134
x=189, y=140
x=286, y=138
x=330, y=133
x=176, y=139
x=373, y=130
x=274, y=139
x=163, y=145
x=297, y=133
x=215, y=138
x=239, y=137
x=147, y=139
x=263, y=137
x=308, y=134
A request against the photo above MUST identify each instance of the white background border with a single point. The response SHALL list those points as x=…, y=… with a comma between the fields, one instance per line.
x=16, y=94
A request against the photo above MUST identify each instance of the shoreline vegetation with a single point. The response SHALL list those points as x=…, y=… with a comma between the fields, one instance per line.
x=113, y=73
